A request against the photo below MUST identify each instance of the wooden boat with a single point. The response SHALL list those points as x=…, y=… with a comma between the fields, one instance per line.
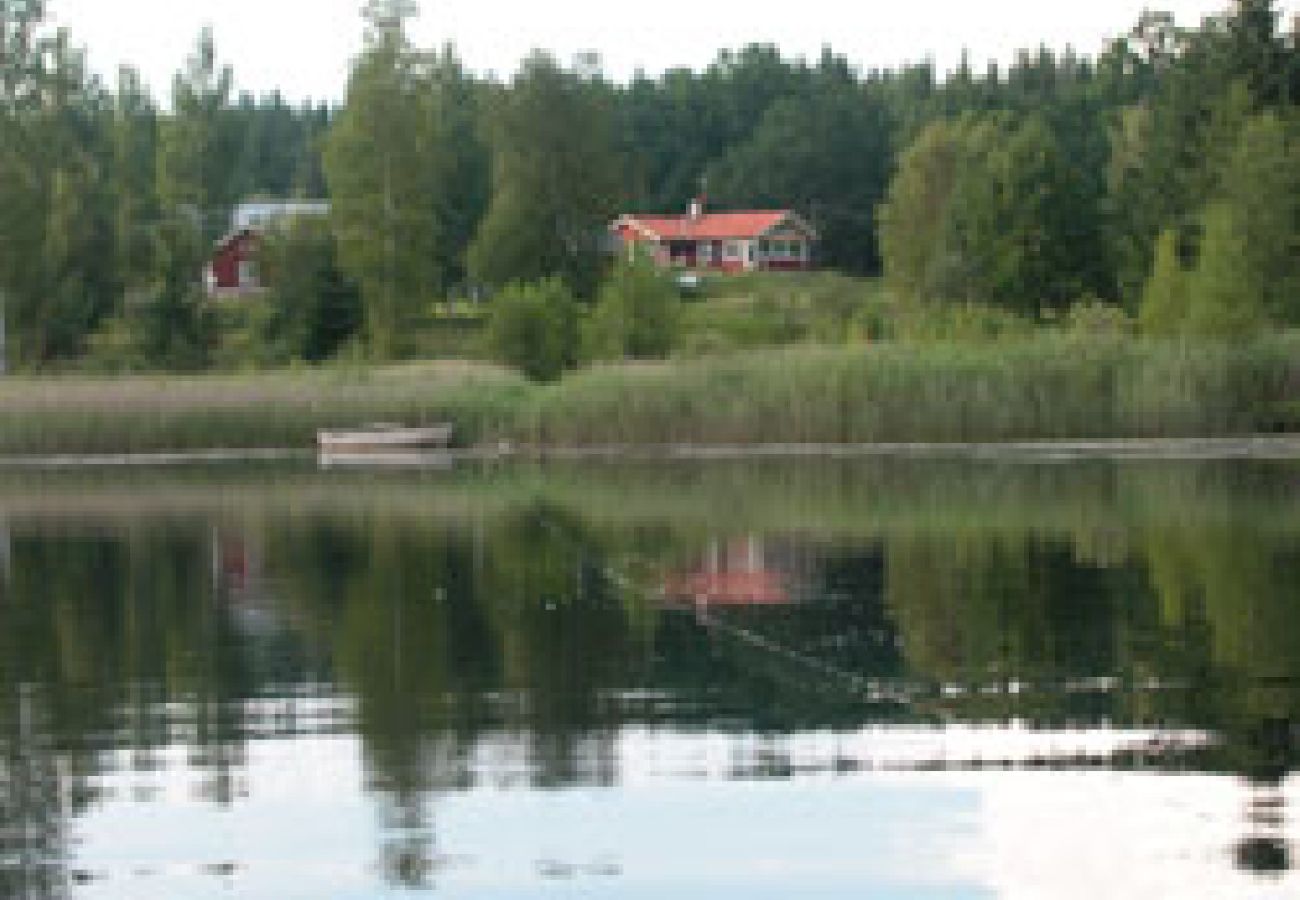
x=384, y=438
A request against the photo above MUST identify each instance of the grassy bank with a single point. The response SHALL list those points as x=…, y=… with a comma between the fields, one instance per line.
x=1048, y=386
x=274, y=409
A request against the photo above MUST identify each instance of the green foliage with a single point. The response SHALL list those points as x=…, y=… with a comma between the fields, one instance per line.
x=172, y=319
x=1093, y=318
x=1261, y=183
x=1226, y=294
x=636, y=314
x=56, y=278
x=767, y=308
x=914, y=233
x=134, y=183
x=193, y=168
x=401, y=166
x=1165, y=297
x=313, y=308
x=824, y=152
x=534, y=328
x=988, y=209
x=555, y=179
x=959, y=323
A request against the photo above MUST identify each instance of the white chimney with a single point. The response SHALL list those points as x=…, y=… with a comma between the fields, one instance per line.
x=697, y=208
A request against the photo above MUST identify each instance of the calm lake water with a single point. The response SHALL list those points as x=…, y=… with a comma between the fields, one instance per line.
x=764, y=679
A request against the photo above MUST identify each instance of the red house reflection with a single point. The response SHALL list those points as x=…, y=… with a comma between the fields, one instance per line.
x=736, y=573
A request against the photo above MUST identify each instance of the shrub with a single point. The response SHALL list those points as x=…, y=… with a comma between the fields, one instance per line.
x=533, y=327
x=1091, y=317
x=961, y=322
x=637, y=314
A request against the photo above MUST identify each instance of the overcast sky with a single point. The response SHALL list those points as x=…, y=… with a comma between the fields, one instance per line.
x=304, y=46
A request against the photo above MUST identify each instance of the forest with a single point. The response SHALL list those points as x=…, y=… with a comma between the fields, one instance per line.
x=1156, y=185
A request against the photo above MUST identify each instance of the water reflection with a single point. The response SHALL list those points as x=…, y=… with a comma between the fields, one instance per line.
x=165, y=637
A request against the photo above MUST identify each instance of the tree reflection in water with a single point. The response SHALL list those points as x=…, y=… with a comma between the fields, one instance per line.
x=509, y=642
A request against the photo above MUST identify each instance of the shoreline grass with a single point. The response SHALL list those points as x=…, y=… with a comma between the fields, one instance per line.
x=1047, y=386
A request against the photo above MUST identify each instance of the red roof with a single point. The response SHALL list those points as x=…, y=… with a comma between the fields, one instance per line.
x=714, y=226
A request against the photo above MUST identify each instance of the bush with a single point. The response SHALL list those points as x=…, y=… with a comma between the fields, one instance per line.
x=637, y=314
x=1091, y=317
x=961, y=323
x=533, y=327
x=312, y=308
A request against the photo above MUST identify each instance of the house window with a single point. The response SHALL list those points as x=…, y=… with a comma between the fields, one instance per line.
x=731, y=251
x=705, y=252
x=247, y=273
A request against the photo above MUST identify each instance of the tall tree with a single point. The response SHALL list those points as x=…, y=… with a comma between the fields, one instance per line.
x=21, y=74
x=1164, y=306
x=404, y=175
x=915, y=238
x=194, y=199
x=555, y=179
x=56, y=227
x=193, y=164
x=134, y=181
x=1261, y=182
x=1226, y=294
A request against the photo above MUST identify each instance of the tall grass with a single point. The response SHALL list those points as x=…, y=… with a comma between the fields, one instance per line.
x=1049, y=385
x=281, y=409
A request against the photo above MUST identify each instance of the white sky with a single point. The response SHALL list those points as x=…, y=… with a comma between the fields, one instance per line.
x=304, y=46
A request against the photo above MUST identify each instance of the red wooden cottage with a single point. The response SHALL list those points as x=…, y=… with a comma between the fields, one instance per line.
x=232, y=270
x=722, y=241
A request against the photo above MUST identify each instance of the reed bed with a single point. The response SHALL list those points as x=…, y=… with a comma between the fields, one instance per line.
x=1049, y=386
x=283, y=409
x=1042, y=387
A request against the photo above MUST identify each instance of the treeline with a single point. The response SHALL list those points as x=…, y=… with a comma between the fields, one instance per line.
x=1165, y=178
x=1159, y=176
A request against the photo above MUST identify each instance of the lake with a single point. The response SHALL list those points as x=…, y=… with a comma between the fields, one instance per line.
x=765, y=678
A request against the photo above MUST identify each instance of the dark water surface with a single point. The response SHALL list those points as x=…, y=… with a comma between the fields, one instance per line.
x=772, y=679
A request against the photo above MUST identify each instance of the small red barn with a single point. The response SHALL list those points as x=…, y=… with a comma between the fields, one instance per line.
x=233, y=269
x=739, y=241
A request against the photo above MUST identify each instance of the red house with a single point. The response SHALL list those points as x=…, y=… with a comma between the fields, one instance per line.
x=232, y=270
x=722, y=241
